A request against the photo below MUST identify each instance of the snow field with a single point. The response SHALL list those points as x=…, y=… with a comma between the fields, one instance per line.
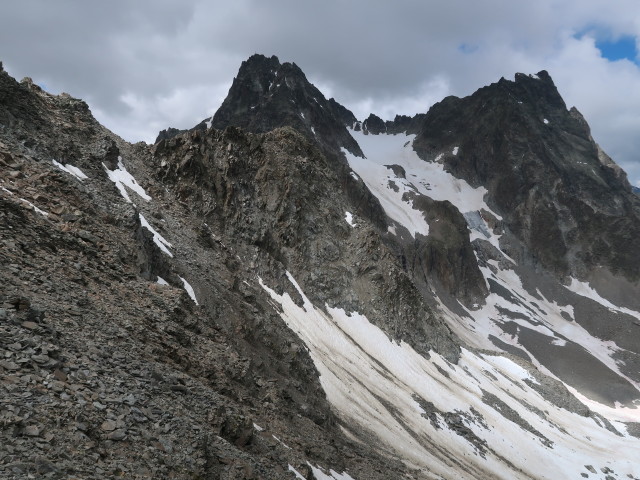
x=424, y=178
x=363, y=373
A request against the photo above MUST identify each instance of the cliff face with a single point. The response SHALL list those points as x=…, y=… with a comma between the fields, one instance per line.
x=559, y=194
x=267, y=94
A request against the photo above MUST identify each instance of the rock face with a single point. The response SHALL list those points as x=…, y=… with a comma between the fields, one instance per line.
x=254, y=299
x=278, y=194
x=559, y=194
x=267, y=94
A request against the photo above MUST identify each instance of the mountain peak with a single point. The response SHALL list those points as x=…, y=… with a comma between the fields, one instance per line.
x=267, y=94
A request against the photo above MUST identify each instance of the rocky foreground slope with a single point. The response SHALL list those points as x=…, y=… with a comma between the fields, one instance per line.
x=286, y=292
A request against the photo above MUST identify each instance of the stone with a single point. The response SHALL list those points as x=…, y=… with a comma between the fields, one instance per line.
x=33, y=430
x=8, y=365
x=117, y=435
x=60, y=375
x=108, y=426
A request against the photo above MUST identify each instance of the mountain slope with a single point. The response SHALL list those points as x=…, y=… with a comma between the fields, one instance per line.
x=255, y=298
x=560, y=194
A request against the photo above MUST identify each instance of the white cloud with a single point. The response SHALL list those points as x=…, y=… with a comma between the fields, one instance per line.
x=181, y=108
x=147, y=65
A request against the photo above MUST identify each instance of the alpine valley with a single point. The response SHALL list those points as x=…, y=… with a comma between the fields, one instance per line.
x=285, y=291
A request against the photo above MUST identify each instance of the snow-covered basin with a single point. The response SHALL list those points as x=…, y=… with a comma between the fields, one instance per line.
x=364, y=373
x=426, y=178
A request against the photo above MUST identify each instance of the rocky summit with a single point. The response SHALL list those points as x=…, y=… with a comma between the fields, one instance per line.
x=285, y=291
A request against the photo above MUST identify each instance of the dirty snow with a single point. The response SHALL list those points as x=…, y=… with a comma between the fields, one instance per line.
x=71, y=170
x=122, y=178
x=158, y=239
x=189, y=289
x=547, y=319
x=583, y=289
x=362, y=372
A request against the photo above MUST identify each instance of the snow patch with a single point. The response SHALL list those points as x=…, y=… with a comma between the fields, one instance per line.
x=71, y=170
x=208, y=123
x=618, y=413
x=189, y=289
x=296, y=473
x=123, y=179
x=36, y=209
x=349, y=218
x=281, y=442
x=455, y=150
x=258, y=427
x=546, y=122
x=583, y=289
x=161, y=281
x=333, y=475
x=158, y=239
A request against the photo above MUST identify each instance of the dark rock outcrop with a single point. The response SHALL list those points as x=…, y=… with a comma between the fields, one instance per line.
x=447, y=255
x=566, y=201
x=266, y=95
x=374, y=125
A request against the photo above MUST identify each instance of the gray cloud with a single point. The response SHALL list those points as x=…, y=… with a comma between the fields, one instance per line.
x=146, y=65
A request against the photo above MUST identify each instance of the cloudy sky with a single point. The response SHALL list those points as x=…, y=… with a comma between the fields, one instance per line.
x=145, y=65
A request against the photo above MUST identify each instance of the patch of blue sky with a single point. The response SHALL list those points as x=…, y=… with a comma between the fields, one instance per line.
x=619, y=49
x=613, y=48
